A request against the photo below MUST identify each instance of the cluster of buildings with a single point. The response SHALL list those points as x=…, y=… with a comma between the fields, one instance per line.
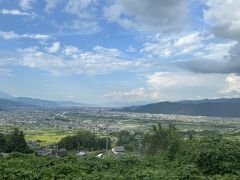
x=52, y=150
x=97, y=119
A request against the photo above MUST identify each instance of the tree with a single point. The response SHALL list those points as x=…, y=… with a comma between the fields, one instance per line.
x=16, y=142
x=84, y=139
x=128, y=140
x=102, y=143
x=2, y=143
x=161, y=139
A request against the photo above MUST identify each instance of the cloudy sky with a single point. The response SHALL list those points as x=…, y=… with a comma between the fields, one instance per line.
x=120, y=52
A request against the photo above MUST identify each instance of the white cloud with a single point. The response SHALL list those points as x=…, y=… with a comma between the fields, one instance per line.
x=79, y=8
x=162, y=86
x=162, y=80
x=189, y=40
x=86, y=12
x=54, y=48
x=184, y=82
x=232, y=87
x=175, y=45
x=148, y=15
x=98, y=61
x=26, y=4
x=225, y=59
x=9, y=35
x=216, y=51
x=51, y=4
x=14, y=12
x=12, y=35
x=224, y=16
x=83, y=26
x=138, y=95
x=70, y=50
x=224, y=19
x=205, y=55
x=185, y=85
x=131, y=49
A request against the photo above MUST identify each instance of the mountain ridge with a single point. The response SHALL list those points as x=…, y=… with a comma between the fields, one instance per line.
x=40, y=102
x=209, y=107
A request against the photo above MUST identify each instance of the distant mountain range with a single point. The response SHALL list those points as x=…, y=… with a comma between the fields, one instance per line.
x=7, y=101
x=208, y=107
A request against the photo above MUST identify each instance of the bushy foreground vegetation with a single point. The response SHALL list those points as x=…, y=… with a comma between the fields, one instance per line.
x=164, y=155
x=20, y=166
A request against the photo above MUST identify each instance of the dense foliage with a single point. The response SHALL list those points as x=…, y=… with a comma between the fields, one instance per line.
x=130, y=141
x=162, y=140
x=84, y=140
x=14, y=142
x=29, y=167
x=214, y=155
x=19, y=166
x=166, y=155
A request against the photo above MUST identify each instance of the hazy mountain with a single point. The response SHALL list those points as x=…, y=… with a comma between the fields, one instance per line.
x=4, y=95
x=37, y=102
x=222, y=100
x=7, y=103
x=73, y=104
x=213, y=107
x=48, y=103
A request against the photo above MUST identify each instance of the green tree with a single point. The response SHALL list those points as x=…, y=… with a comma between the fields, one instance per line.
x=83, y=140
x=102, y=143
x=128, y=140
x=2, y=143
x=16, y=142
x=162, y=140
x=215, y=155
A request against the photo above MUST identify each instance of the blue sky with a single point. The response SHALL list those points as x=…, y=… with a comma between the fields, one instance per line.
x=120, y=52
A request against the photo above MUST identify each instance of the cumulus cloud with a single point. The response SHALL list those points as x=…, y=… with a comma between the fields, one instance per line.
x=229, y=63
x=50, y=5
x=71, y=50
x=232, y=87
x=72, y=61
x=14, y=12
x=185, y=85
x=224, y=20
x=175, y=45
x=54, y=48
x=26, y=4
x=85, y=20
x=215, y=51
x=164, y=80
x=173, y=86
x=138, y=95
x=148, y=15
x=224, y=16
x=12, y=35
x=78, y=7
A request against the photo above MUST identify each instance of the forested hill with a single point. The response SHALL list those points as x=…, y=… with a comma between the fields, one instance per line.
x=6, y=103
x=215, y=107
